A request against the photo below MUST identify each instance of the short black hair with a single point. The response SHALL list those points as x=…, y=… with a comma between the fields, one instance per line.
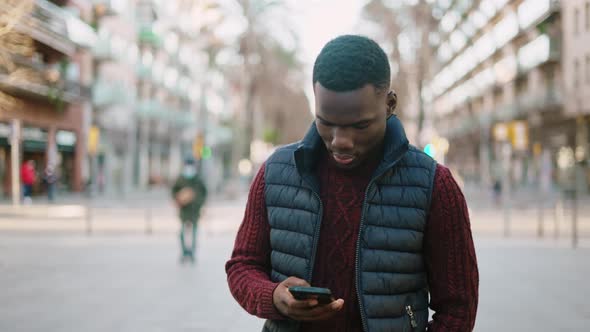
x=350, y=62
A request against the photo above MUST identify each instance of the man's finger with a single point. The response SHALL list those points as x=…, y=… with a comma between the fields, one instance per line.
x=321, y=312
x=301, y=304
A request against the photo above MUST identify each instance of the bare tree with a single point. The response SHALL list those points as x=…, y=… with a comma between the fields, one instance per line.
x=270, y=77
x=407, y=26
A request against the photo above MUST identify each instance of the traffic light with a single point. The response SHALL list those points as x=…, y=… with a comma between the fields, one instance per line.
x=200, y=150
x=206, y=152
x=198, y=145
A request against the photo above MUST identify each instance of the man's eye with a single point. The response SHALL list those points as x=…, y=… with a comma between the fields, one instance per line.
x=361, y=125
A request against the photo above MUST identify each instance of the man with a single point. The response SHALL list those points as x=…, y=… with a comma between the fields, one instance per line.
x=356, y=209
x=189, y=193
x=28, y=178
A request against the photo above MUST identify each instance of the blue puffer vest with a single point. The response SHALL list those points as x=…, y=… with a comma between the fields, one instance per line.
x=390, y=276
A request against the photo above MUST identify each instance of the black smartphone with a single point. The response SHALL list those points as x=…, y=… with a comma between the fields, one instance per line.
x=323, y=295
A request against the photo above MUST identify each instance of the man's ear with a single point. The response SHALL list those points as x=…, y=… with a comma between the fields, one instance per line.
x=391, y=103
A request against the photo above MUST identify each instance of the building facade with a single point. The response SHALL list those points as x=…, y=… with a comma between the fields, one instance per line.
x=502, y=91
x=45, y=121
x=116, y=55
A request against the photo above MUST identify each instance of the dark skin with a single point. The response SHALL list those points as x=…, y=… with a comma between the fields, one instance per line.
x=352, y=125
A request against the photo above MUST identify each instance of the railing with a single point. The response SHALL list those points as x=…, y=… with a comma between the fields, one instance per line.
x=47, y=24
x=75, y=91
x=153, y=109
x=105, y=94
x=543, y=100
x=102, y=50
x=37, y=86
x=546, y=99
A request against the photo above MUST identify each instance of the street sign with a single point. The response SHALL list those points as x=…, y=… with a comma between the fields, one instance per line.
x=515, y=132
x=93, y=140
x=519, y=135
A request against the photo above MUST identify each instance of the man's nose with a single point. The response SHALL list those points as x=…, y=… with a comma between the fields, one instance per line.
x=342, y=140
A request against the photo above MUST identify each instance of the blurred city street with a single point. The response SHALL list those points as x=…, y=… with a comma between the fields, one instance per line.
x=109, y=108
x=58, y=278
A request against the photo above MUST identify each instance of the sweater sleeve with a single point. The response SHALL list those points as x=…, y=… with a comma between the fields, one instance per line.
x=450, y=258
x=249, y=268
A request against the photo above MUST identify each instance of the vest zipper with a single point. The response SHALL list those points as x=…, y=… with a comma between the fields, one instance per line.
x=358, y=244
x=316, y=240
x=316, y=237
x=357, y=267
x=410, y=313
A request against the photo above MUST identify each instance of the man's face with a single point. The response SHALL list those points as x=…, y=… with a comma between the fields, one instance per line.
x=352, y=123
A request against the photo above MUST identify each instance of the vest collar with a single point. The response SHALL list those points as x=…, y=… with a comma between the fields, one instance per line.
x=310, y=148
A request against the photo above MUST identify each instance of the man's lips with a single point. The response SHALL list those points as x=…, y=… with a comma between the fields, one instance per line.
x=343, y=159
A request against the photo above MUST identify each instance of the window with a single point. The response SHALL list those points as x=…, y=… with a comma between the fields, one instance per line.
x=576, y=20
x=576, y=73
x=588, y=69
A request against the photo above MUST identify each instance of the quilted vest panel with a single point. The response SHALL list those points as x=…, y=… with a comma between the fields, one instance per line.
x=390, y=267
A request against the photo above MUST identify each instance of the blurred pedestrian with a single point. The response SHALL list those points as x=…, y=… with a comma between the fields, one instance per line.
x=497, y=188
x=29, y=178
x=353, y=207
x=50, y=179
x=189, y=193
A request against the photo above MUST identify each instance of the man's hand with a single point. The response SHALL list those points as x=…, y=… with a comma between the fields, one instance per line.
x=302, y=310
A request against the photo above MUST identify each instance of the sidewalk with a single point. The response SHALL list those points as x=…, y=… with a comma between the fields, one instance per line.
x=480, y=197
x=130, y=282
x=149, y=212
x=75, y=205
x=154, y=211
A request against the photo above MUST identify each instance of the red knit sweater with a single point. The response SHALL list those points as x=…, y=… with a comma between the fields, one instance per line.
x=448, y=251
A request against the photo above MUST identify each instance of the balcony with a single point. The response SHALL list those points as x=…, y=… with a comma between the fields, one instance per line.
x=467, y=124
x=32, y=83
x=543, y=100
x=103, y=50
x=151, y=109
x=66, y=91
x=541, y=50
x=143, y=71
x=154, y=110
x=147, y=35
x=182, y=119
x=105, y=94
x=53, y=26
x=109, y=7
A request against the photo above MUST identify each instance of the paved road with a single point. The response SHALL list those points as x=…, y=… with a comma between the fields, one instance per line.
x=128, y=281
x=531, y=285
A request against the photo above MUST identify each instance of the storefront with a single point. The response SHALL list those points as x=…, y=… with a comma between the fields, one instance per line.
x=65, y=159
x=4, y=159
x=35, y=145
